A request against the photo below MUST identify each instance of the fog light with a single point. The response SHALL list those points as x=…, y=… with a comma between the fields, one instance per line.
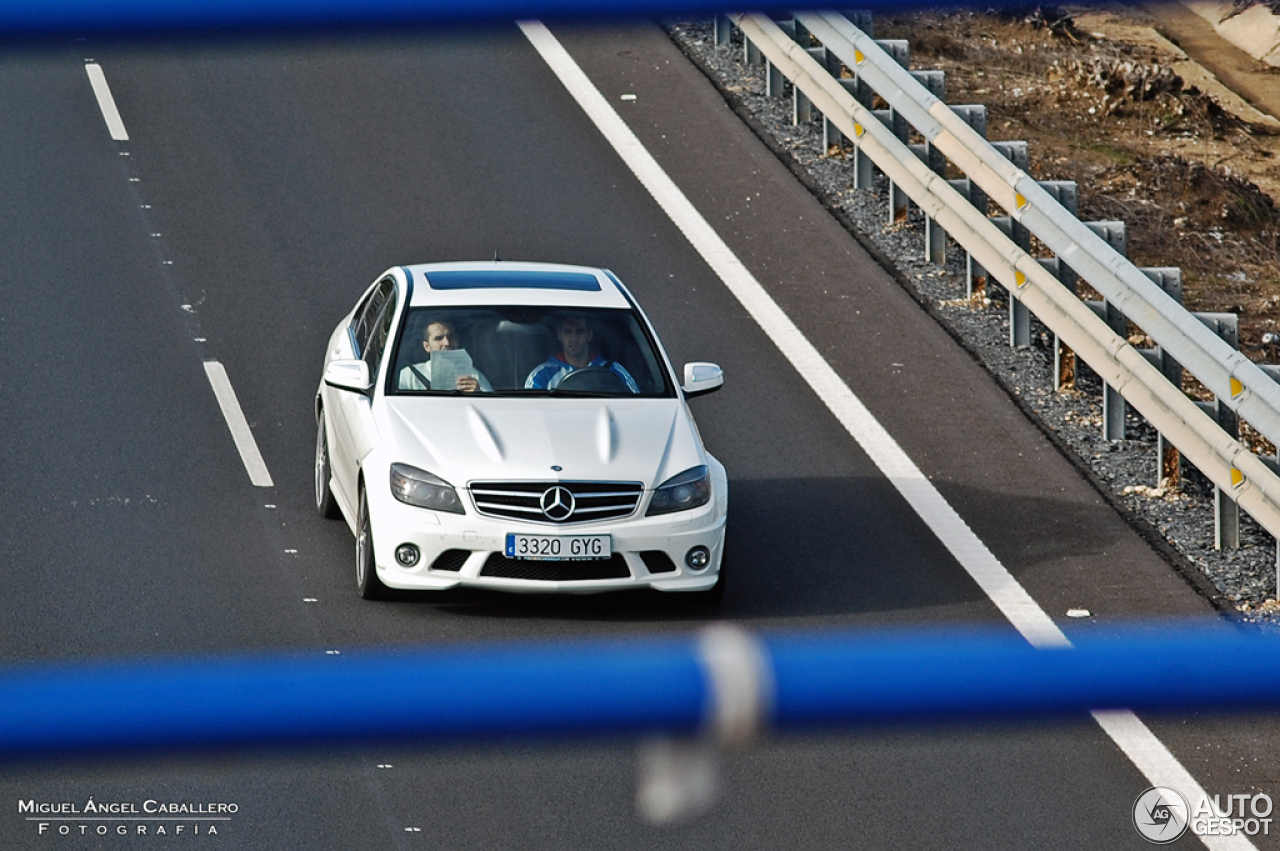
x=407, y=555
x=698, y=558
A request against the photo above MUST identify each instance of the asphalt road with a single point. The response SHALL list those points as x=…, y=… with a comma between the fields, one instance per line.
x=263, y=186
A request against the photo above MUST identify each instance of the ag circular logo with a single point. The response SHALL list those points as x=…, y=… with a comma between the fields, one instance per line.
x=1160, y=814
x=557, y=503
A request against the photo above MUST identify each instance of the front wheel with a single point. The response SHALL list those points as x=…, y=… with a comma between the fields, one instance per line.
x=368, y=585
x=326, y=504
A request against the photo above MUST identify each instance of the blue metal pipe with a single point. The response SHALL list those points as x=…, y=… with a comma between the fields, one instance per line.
x=836, y=680
x=618, y=688
x=139, y=17
x=465, y=693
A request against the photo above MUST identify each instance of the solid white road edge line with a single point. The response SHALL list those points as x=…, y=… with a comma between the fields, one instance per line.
x=106, y=102
x=240, y=432
x=1133, y=737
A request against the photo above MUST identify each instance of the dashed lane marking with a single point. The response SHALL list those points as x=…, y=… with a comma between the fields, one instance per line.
x=106, y=103
x=240, y=431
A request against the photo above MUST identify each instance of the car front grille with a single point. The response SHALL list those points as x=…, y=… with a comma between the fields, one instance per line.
x=557, y=502
x=614, y=567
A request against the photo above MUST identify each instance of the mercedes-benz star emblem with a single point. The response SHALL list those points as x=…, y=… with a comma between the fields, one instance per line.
x=557, y=503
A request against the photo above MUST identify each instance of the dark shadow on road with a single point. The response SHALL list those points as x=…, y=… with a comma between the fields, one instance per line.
x=815, y=547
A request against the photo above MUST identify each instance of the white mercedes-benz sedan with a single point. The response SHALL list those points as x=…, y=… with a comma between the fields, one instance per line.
x=515, y=426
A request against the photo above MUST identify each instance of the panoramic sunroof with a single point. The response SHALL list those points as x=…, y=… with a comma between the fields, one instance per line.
x=499, y=279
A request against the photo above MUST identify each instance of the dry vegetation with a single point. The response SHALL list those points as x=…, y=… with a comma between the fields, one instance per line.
x=1144, y=146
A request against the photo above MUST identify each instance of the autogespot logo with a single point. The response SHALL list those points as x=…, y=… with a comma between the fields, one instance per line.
x=1160, y=814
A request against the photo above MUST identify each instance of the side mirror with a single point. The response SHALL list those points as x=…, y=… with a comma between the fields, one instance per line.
x=348, y=375
x=700, y=378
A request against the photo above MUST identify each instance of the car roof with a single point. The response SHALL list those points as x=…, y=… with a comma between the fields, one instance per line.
x=497, y=282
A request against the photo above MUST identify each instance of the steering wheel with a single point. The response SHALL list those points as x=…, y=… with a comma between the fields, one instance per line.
x=594, y=379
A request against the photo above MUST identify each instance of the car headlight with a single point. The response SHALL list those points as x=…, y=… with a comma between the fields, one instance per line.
x=679, y=493
x=418, y=487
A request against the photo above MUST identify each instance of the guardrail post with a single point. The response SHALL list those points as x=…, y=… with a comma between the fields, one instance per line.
x=773, y=80
x=899, y=203
x=975, y=275
x=975, y=115
x=1064, y=359
x=900, y=50
x=935, y=238
x=751, y=54
x=801, y=106
x=1168, y=459
x=1226, y=514
x=1113, y=404
x=831, y=137
x=720, y=25
x=1066, y=193
x=864, y=174
x=863, y=171
x=1019, y=317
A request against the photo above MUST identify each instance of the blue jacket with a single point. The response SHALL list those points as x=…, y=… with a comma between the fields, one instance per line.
x=549, y=375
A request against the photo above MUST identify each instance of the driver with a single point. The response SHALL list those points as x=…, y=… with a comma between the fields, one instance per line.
x=574, y=335
x=440, y=336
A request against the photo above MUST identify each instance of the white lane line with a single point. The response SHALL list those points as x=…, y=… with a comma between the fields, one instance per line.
x=240, y=432
x=106, y=102
x=1162, y=768
x=1133, y=737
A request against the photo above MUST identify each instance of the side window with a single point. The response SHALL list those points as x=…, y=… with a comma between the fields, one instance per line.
x=367, y=317
x=381, y=329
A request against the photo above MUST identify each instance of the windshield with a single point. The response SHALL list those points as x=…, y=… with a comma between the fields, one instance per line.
x=525, y=351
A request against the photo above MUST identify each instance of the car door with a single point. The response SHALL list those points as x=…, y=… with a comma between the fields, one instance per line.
x=352, y=420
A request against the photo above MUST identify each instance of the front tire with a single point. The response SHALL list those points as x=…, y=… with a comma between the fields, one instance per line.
x=368, y=585
x=326, y=503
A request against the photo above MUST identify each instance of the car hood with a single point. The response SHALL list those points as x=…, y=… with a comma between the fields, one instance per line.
x=464, y=440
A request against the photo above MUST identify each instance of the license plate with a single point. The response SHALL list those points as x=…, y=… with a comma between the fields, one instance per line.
x=559, y=547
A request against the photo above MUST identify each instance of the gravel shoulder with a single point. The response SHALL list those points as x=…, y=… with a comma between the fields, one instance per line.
x=1154, y=149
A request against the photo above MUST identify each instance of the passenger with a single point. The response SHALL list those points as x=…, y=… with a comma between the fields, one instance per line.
x=440, y=336
x=575, y=336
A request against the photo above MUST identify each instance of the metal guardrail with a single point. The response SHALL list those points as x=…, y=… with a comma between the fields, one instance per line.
x=1238, y=383
x=726, y=685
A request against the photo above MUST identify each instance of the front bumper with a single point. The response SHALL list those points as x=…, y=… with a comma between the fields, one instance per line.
x=468, y=550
